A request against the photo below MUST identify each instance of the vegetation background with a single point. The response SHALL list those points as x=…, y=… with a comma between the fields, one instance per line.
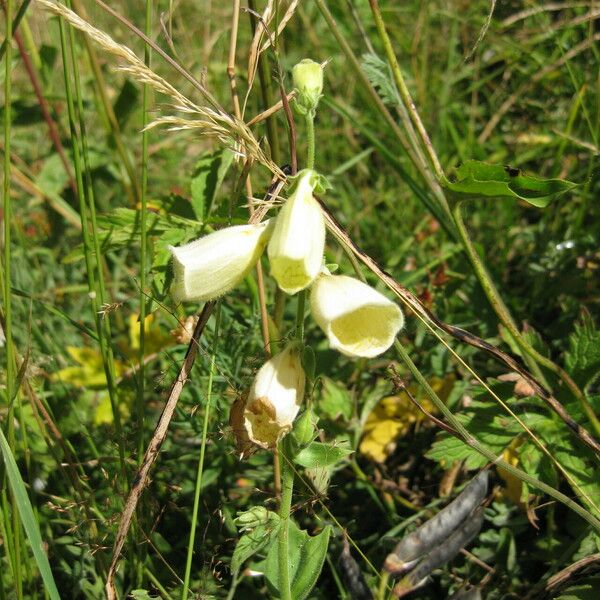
x=509, y=83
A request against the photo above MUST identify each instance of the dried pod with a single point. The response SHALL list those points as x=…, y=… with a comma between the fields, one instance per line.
x=437, y=529
x=352, y=575
x=444, y=552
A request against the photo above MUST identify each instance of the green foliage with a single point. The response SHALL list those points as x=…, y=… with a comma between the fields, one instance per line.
x=477, y=180
x=583, y=356
x=305, y=559
x=318, y=455
x=27, y=517
x=523, y=95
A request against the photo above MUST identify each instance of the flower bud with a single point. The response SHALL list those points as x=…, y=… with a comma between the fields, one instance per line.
x=213, y=265
x=307, y=77
x=358, y=320
x=304, y=428
x=298, y=242
x=274, y=399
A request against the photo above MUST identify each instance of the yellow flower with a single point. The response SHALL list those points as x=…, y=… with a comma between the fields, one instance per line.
x=213, y=265
x=274, y=399
x=358, y=320
x=298, y=241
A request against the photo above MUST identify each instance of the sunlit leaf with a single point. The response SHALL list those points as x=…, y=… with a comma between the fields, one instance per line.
x=479, y=180
x=317, y=454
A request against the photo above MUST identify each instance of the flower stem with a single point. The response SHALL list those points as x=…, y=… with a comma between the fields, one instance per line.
x=310, y=139
x=287, y=488
x=300, y=315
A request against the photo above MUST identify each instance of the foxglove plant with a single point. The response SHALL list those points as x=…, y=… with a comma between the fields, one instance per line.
x=357, y=320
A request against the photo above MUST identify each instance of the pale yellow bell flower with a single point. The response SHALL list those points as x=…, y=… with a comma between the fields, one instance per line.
x=275, y=398
x=298, y=242
x=213, y=265
x=357, y=319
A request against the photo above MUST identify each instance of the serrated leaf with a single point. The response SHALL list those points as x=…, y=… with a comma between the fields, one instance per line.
x=306, y=556
x=378, y=73
x=477, y=180
x=317, y=454
x=583, y=358
x=207, y=178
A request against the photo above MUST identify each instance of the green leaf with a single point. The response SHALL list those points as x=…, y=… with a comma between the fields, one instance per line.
x=583, y=358
x=306, y=556
x=475, y=179
x=586, y=589
x=378, y=72
x=207, y=178
x=335, y=400
x=23, y=505
x=317, y=454
x=254, y=541
x=488, y=423
x=52, y=178
x=126, y=102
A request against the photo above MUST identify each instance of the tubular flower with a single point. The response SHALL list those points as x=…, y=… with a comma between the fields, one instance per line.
x=274, y=398
x=358, y=320
x=298, y=241
x=213, y=265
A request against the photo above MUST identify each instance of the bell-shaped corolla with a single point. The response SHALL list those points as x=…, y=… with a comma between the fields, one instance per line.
x=213, y=265
x=298, y=242
x=275, y=398
x=357, y=319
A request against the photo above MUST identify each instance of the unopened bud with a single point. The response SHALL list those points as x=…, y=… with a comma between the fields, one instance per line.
x=307, y=76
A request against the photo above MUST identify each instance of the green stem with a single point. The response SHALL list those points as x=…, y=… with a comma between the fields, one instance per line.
x=90, y=243
x=478, y=447
x=409, y=113
x=143, y=245
x=310, y=139
x=530, y=354
x=382, y=590
x=11, y=391
x=285, y=506
x=299, y=334
x=198, y=490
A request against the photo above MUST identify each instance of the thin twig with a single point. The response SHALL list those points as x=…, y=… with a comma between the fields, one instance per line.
x=154, y=446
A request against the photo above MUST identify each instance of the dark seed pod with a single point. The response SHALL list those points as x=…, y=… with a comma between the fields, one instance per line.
x=437, y=529
x=352, y=575
x=442, y=554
